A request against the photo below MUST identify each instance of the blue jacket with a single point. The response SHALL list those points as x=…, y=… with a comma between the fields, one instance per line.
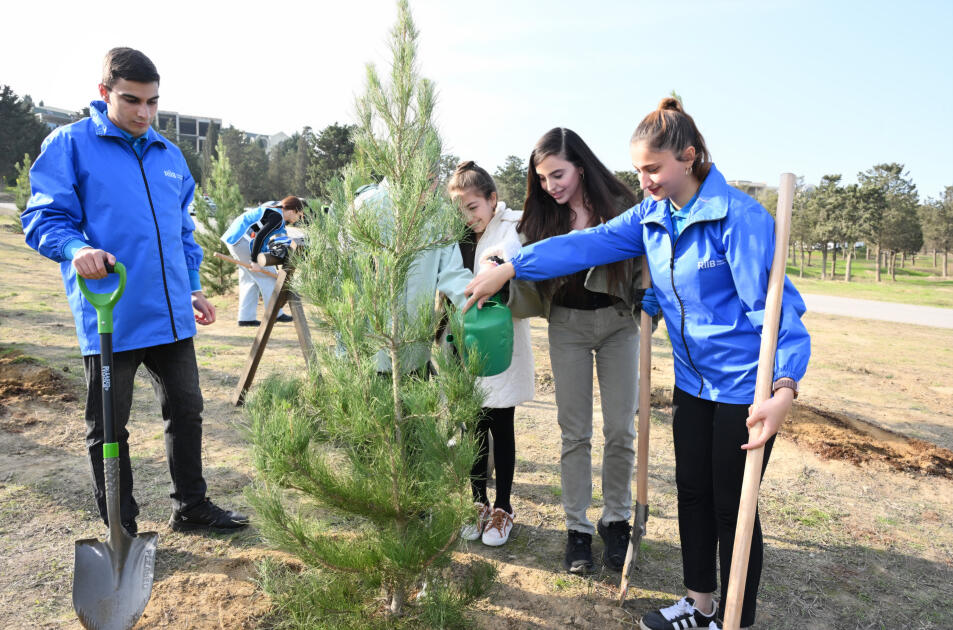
x=249, y=223
x=89, y=185
x=711, y=283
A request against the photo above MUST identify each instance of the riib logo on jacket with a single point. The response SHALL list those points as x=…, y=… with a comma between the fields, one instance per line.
x=711, y=264
x=172, y=174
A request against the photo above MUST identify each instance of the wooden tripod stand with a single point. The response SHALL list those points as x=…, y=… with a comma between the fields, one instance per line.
x=281, y=296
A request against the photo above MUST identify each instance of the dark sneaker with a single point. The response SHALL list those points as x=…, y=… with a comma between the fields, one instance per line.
x=249, y=322
x=284, y=318
x=578, y=558
x=206, y=515
x=615, y=535
x=682, y=614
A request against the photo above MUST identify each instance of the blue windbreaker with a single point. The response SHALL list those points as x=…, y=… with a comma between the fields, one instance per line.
x=246, y=225
x=89, y=185
x=711, y=283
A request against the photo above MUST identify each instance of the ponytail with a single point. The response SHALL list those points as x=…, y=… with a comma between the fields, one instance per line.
x=669, y=128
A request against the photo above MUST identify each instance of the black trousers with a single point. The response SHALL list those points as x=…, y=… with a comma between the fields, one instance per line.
x=499, y=422
x=175, y=379
x=709, y=467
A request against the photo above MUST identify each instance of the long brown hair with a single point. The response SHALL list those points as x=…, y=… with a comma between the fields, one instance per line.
x=669, y=128
x=604, y=195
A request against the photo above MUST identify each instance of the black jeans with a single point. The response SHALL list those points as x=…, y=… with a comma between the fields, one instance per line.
x=709, y=467
x=175, y=379
x=499, y=422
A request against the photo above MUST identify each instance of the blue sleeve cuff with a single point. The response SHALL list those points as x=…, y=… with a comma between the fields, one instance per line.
x=194, y=282
x=73, y=246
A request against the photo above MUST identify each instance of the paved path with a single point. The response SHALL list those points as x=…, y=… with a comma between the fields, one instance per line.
x=885, y=311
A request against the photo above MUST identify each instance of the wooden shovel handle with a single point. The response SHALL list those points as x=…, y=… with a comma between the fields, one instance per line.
x=244, y=264
x=755, y=459
x=645, y=393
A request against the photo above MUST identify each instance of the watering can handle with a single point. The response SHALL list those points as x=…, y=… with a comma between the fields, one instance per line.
x=104, y=302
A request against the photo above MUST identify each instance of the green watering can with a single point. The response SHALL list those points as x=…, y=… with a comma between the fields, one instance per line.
x=488, y=331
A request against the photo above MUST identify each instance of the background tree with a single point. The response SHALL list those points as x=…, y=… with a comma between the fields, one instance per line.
x=381, y=454
x=23, y=190
x=281, y=168
x=209, y=151
x=939, y=226
x=249, y=161
x=333, y=149
x=823, y=206
x=211, y=221
x=510, y=181
x=894, y=229
x=20, y=131
x=630, y=179
x=445, y=168
x=863, y=213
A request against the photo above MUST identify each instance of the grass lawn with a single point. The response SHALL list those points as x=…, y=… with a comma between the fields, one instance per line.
x=915, y=284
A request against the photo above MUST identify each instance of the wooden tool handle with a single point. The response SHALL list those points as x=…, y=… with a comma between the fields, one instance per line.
x=755, y=459
x=645, y=393
x=244, y=264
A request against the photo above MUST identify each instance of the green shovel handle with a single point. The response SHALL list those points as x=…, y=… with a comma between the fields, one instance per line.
x=104, y=302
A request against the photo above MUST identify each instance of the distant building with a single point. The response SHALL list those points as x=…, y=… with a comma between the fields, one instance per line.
x=270, y=141
x=191, y=129
x=751, y=188
x=54, y=117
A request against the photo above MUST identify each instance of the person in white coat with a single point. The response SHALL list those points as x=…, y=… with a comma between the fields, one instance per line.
x=492, y=233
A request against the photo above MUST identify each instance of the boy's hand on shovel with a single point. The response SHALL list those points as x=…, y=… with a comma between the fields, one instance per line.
x=771, y=413
x=90, y=263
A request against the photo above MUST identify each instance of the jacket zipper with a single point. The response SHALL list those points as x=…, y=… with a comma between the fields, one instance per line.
x=155, y=221
x=681, y=308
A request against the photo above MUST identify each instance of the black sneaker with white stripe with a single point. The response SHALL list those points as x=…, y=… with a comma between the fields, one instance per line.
x=680, y=616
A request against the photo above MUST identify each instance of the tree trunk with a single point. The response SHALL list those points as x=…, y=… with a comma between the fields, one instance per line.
x=866, y=252
x=934, y=257
x=893, y=266
x=810, y=252
x=878, y=262
x=850, y=255
x=824, y=263
x=800, y=271
x=903, y=259
x=834, y=263
x=946, y=254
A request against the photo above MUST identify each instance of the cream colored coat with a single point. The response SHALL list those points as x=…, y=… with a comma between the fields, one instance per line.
x=518, y=383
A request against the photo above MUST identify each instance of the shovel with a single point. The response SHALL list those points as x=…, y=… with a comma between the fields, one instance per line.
x=112, y=580
x=642, y=476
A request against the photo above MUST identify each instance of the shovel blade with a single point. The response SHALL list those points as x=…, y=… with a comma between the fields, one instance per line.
x=632, y=553
x=112, y=580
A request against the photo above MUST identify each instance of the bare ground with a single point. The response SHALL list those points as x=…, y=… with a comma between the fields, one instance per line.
x=856, y=502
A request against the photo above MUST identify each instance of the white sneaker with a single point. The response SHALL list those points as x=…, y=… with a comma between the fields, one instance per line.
x=474, y=530
x=498, y=530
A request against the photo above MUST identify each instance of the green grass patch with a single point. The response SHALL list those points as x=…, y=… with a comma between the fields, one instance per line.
x=915, y=284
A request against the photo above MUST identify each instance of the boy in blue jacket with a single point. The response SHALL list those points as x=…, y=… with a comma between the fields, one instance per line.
x=709, y=249
x=110, y=188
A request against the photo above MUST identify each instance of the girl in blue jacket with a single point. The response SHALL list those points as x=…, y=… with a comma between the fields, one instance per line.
x=246, y=237
x=710, y=249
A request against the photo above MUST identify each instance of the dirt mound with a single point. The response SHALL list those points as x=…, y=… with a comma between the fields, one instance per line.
x=25, y=378
x=836, y=436
x=220, y=593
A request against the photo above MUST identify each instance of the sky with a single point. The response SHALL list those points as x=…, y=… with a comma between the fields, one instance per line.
x=775, y=86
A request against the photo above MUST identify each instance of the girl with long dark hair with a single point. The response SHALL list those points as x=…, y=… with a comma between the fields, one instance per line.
x=590, y=315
